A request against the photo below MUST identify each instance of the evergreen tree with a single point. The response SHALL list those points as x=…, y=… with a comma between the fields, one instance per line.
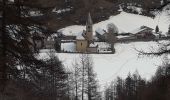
x=54, y=79
x=169, y=30
x=157, y=29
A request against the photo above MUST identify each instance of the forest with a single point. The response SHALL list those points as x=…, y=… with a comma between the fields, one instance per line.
x=133, y=87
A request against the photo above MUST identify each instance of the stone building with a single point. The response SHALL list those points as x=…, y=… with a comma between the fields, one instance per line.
x=84, y=41
x=81, y=44
x=143, y=32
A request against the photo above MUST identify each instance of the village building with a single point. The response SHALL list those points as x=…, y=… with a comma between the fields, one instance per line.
x=101, y=34
x=81, y=44
x=107, y=36
x=143, y=32
x=85, y=41
x=93, y=48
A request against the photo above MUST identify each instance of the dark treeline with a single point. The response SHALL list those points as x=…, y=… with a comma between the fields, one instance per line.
x=133, y=87
x=22, y=75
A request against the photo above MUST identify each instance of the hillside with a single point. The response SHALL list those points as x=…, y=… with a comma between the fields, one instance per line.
x=126, y=22
x=72, y=12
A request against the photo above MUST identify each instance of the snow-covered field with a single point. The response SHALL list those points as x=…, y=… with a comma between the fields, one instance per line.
x=126, y=22
x=125, y=60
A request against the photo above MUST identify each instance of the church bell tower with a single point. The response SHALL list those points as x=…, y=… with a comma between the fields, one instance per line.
x=89, y=28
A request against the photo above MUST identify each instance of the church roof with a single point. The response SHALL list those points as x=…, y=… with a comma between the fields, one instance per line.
x=89, y=20
x=80, y=36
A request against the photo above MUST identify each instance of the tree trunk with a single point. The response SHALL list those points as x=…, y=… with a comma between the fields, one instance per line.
x=76, y=84
x=83, y=81
x=3, y=66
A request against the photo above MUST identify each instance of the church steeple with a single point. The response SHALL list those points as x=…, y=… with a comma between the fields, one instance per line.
x=89, y=21
x=89, y=28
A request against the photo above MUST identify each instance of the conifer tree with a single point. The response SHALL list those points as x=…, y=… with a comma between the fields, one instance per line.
x=169, y=30
x=157, y=29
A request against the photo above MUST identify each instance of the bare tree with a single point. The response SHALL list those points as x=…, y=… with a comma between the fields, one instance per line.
x=111, y=35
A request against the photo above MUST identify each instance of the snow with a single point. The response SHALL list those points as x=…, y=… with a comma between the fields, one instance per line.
x=69, y=47
x=137, y=9
x=125, y=22
x=102, y=46
x=120, y=37
x=80, y=37
x=61, y=10
x=93, y=45
x=137, y=30
x=125, y=60
x=140, y=29
x=72, y=30
x=100, y=31
x=35, y=13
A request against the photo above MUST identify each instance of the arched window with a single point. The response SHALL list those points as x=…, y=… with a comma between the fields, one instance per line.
x=81, y=43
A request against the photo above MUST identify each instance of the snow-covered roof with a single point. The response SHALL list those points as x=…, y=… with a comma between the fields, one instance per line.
x=102, y=44
x=61, y=10
x=70, y=47
x=137, y=30
x=100, y=31
x=120, y=36
x=80, y=35
x=93, y=45
x=140, y=29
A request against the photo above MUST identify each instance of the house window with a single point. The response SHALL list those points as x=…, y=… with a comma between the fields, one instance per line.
x=81, y=43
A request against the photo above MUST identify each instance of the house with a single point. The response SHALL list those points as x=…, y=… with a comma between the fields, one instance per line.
x=101, y=34
x=109, y=35
x=143, y=32
x=93, y=48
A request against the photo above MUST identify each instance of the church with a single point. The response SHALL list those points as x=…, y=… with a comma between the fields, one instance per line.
x=85, y=41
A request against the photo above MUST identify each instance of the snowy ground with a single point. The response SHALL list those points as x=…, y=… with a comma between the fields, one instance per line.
x=125, y=60
x=126, y=22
